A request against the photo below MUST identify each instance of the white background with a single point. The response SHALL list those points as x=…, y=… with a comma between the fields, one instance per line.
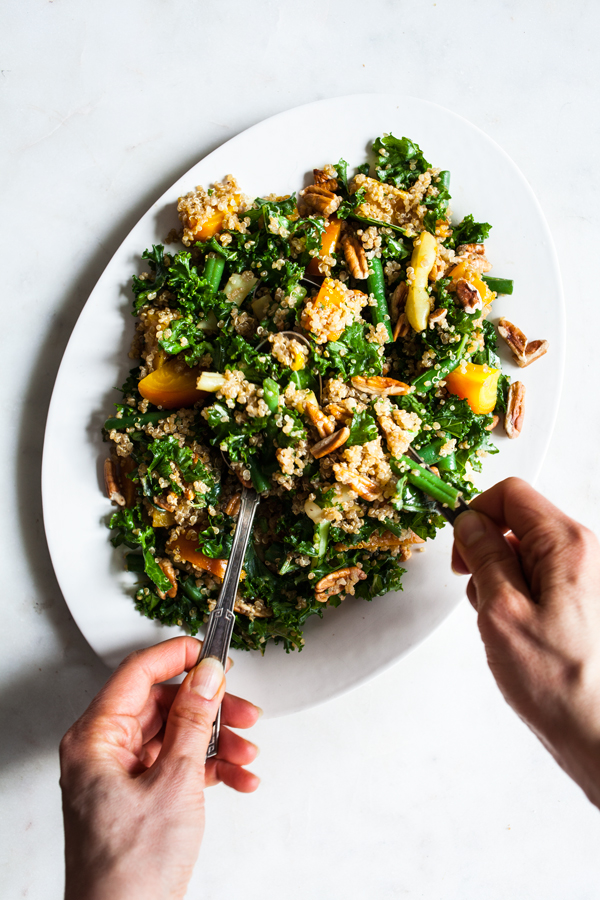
x=422, y=784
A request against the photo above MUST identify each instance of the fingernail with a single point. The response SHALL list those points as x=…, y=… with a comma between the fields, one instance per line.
x=231, y=662
x=257, y=750
x=261, y=712
x=455, y=571
x=469, y=527
x=207, y=677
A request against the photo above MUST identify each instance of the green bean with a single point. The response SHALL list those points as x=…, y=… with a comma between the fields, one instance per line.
x=258, y=479
x=271, y=394
x=213, y=271
x=376, y=286
x=431, y=377
x=499, y=285
x=429, y=483
x=136, y=421
x=190, y=590
x=321, y=538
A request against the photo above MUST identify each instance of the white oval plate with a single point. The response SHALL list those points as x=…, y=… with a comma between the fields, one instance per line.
x=359, y=639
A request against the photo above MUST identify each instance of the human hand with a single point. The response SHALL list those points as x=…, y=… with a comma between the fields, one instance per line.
x=133, y=774
x=536, y=590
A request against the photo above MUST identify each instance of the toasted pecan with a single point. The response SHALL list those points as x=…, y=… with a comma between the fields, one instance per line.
x=335, y=582
x=469, y=296
x=315, y=199
x=515, y=409
x=380, y=385
x=524, y=352
x=330, y=443
x=354, y=254
x=111, y=483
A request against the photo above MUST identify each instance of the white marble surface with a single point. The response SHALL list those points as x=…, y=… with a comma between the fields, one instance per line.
x=422, y=784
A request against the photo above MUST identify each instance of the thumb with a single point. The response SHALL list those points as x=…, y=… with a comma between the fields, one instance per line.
x=489, y=558
x=193, y=712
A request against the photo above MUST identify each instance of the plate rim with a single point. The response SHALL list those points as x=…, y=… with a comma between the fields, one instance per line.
x=559, y=352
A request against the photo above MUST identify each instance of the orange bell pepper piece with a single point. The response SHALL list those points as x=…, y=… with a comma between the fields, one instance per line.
x=203, y=231
x=332, y=295
x=329, y=241
x=172, y=386
x=188, y=550
x=476, y=384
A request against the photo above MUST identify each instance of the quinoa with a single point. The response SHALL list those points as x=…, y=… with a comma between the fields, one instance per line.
x=247, y=374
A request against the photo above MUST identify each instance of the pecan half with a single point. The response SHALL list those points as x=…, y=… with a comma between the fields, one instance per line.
x=354, y=254
x=385, y=541
x=330, y=443
x=493, y=423
x=524, y=352
x=324, y=425
x=167, y=567
x=233, y=506
x=126, y=466
x=111, y=483
x=398, y=299
x=469, y=296
x=335, y=582
x=383, y=387
x=323, y=180
x=401, y=328
x=317, y=199
x=515, y=409
x=437, y=317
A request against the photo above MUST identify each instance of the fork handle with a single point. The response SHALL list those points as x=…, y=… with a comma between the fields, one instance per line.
x=222, y=618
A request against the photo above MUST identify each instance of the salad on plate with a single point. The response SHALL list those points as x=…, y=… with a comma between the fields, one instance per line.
x=302, y=345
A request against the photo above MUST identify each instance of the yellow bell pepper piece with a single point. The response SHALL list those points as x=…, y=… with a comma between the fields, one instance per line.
x=162, y=518
x=299, y=361
x=478, y=385
x=172, y=385
x=422, y=261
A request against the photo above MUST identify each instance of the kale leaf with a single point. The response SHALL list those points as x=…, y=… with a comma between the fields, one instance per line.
x=469, y=232
x=352, y=354
x=187, y=337
x=362, y=429
x=141, y=289
x=401, y=161
x=131, y=529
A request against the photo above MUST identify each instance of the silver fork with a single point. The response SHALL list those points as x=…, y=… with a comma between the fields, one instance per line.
x=222, y=618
